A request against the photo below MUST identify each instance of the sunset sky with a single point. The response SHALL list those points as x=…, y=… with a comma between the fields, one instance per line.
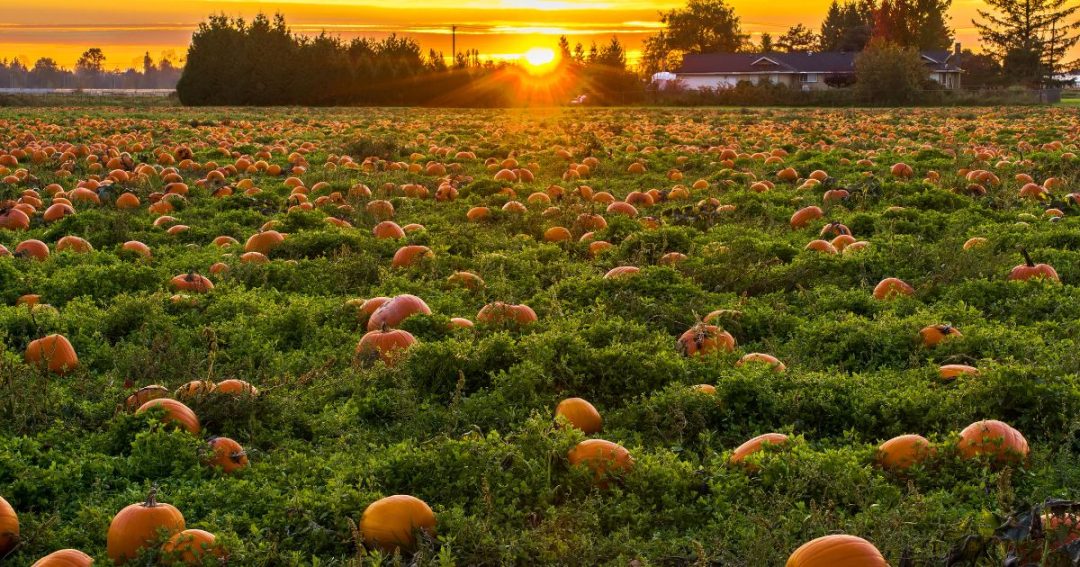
x=62, y=29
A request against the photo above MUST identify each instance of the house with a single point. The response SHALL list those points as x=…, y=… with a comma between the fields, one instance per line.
x=808, y=71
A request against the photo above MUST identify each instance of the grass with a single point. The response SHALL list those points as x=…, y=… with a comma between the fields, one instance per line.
x=465, y=420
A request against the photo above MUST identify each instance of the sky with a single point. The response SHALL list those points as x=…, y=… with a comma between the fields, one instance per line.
x=125, y=29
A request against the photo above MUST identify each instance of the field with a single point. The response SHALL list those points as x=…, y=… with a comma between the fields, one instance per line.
x=463, y=418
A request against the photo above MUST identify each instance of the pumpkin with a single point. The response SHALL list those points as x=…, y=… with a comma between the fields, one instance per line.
x=580, y=414
x=754, y=445
x=901, y=170
x=53, y=352
x=805, y=216
x=822, y=246
x=704, y=388
x=32, y=249
x=227, y=454
x=145, y=394
x=191, y=282
x=410, y=255
x=602, y=458
x=392, y=312
x=137, y=526
x=391, y=523
x=175, y=412
x=1057, y=531
x=974, y=242
x=460, y=323
x=1030, y=270
x=705, y=339
x=136, y=247
x=388, y=229
x=621, y=272
x=65, y=558
x=190, y=547
x=388, y=344
x=557, y=234
x=932, y=335
x=9, y=528
x=837, y=551
x=469, y=280
x=264, y=242
x=234, y=387
x=995, y=439
x=889, y=288
x=502, y=313
x=194, y=389
x=950, y=371
x=762, y=358
x=903, y=451
x=14, y=219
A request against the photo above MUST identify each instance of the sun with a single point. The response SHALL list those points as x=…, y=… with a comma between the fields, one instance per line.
x=539, y=60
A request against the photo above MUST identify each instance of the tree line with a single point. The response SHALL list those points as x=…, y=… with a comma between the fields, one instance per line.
x=89, y=73
x=262, y=62
x=1025, y=41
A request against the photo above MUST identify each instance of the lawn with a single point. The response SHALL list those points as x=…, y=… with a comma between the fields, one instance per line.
x=771, y=228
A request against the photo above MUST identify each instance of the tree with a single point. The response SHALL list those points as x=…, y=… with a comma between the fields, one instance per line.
x=981, y=70
x=913, y=23
x=798, y=39
x=46, y=74
x=889, y=74
x=848, y=27
x=1030, y=37
x=767, y=45
x=92, y=62
x=703, y=26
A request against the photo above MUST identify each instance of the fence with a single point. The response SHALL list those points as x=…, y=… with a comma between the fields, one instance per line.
x=87, y=97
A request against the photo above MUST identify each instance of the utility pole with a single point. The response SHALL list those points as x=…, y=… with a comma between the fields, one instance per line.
x=453, y=44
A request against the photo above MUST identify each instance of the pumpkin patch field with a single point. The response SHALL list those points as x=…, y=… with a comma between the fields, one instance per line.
x=561, y=337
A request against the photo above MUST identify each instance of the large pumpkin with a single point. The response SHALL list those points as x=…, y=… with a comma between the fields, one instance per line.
x=993, y=438
x=53, y=352
x=1030, y=270
x=580, y=414
x=903, y=451
x=411, y=255
x=9, y=528
x=235, y=387
x=137, y=526
x=175, y=412
x=391, y=523
x=145, y=394
x=391, y=313
x=191, y=282
x=389, y=344
x=227, y=454
x=65, y=558
x=500, y=313
x=837, y=551
x=264, y=242
x=705, y=339
x=602, y=457
x=190, y=547
x=889, y=288
x=932, y=335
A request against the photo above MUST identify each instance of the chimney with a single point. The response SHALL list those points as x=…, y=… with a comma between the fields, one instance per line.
x=956, y=49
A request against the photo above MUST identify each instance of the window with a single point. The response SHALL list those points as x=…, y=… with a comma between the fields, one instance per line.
x=809, y=77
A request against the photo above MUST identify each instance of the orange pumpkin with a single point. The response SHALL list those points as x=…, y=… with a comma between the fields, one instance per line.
x=580, y=414
x=32, y=249
x=53, y=352
x=192, y=282
x=903, y=451
x=175, y=412
x=136, y=247
x=227, y=454
x=950, y=371
x=391, y=313
x=705, y=339
x=65, y=558
x=995, y=439
x=889, y=288
x=805, y=216
x=9, y=528
x=932, y=335
x=411, y=255
x=602, y=458
x=621, y=272
x=501, y=313
x=264, y=242
x=754, y=445
x=194, y=389
x=837, y=551
x=762, y=358
x=145, y=394
x=190, y=547
x=234, y=387
x=388, y=229
x=389, y=344
x=137, y=526
x=391, y=523
x=467, y=279
x=1030, y=270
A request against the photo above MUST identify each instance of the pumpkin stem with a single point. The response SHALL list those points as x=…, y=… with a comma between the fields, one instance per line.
x=384, y=328
x=1027, y=257
x=151, y=497
x=237, y=456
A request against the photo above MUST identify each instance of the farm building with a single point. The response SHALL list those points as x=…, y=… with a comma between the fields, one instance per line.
x=808, y=71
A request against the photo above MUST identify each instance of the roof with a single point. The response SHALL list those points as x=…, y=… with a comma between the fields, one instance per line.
x=809, y=62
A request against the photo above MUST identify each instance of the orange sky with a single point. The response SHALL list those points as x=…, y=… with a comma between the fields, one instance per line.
x=62, y=29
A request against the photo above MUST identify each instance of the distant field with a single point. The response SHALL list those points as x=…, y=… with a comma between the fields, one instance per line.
x=751, y=245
